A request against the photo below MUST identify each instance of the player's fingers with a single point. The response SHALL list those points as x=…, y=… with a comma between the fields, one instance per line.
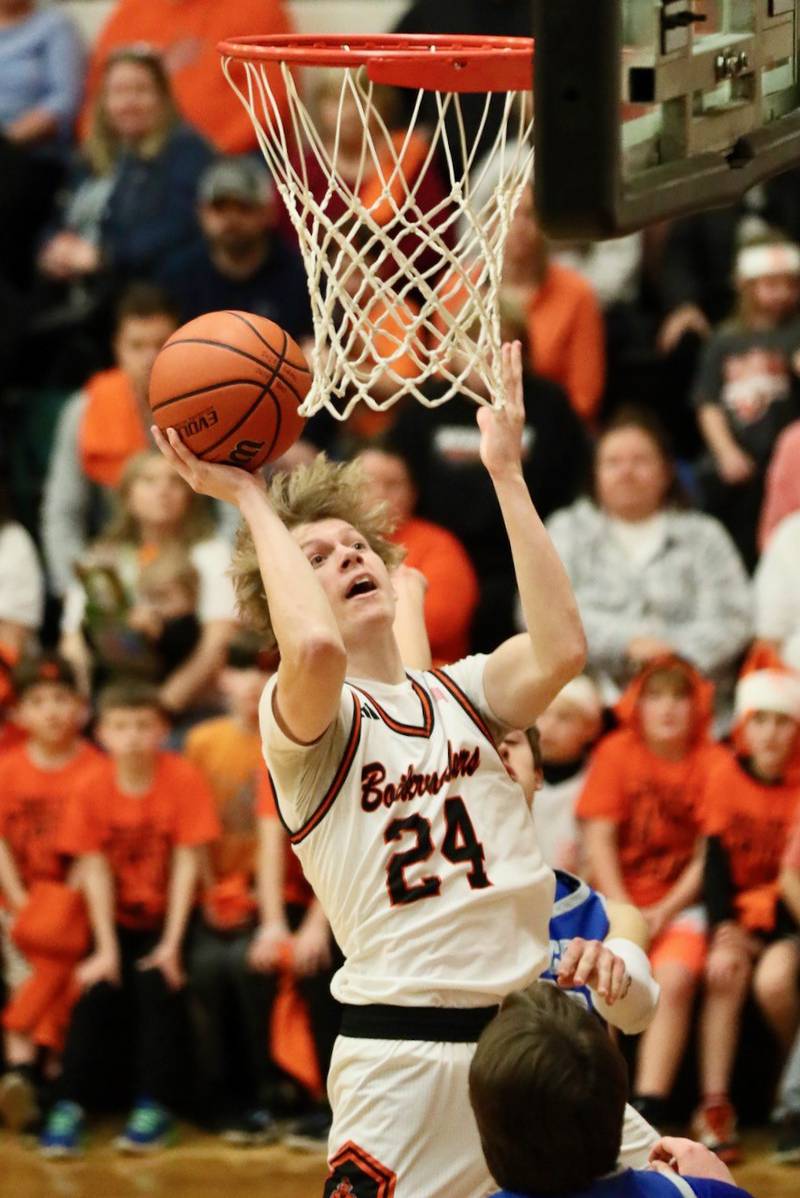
x=588, y=962
x=569, y=961
x=603, y=974
x=620, y=980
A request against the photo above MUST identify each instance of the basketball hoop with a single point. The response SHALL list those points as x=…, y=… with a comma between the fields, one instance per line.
x=402, y=293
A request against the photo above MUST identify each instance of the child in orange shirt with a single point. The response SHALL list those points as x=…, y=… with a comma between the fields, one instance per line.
x=235, y=1070
x=136, y=827
x=294, y=928
x=643, y=836
x=37, y=778
x=750, y=800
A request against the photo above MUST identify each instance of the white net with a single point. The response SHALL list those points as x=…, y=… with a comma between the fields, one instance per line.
x=402, y=241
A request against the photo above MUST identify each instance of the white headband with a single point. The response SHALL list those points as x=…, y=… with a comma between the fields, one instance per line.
x=759, y=261
x=583, y=694
x=769, y=690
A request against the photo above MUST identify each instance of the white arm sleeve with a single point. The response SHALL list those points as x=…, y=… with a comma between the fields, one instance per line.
x=633, y=1013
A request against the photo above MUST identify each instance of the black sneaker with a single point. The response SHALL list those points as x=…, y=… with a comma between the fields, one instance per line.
x=251, y=1129
x=310, y=1133
x=653, y=1109
x=787, y=1143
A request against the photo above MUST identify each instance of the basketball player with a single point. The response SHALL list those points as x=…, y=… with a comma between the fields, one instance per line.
x=418, y=844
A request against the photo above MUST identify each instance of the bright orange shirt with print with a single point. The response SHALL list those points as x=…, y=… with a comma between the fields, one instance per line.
x=229, y=758
x=33, y=801
x=656, y=806
x=753, y=821
x=137, y=834
x=295, y=887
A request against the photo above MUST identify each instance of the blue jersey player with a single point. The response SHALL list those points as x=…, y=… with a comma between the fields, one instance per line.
x=548, y=1088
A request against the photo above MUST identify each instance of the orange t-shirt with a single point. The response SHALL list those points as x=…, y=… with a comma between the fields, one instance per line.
x=295, y=887
x=229, y=758
x=753, y=821
x=656, y=805
x=565, y=330
x=32, y=805
x=187, y=34
x=565, y=327
x=112, y=428
x=137, y=834
x=452, y=593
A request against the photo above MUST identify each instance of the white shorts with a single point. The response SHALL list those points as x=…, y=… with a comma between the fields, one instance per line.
x=403, y=1126
x=402, y=1123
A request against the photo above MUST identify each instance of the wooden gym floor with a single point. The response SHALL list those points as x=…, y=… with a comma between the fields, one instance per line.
x=200, y=1167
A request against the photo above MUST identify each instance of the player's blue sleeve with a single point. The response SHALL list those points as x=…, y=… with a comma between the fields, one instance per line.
x=707, y=1187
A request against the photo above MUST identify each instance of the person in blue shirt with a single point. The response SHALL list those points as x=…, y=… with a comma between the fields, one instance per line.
x=548, y=1089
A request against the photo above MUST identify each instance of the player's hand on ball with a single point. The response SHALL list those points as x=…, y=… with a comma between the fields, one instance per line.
x=228, y=483
x=590, y=963
x=501, y=431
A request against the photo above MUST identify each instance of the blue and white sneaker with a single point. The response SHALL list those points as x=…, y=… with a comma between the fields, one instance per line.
x=150, y=1128
x=64, y=1132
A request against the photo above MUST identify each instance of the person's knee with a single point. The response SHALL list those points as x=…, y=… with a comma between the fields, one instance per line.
x=678, y=986
x=775, y=985
x=728, y=974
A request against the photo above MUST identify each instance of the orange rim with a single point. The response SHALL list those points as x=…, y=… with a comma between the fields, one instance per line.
x=470, y=63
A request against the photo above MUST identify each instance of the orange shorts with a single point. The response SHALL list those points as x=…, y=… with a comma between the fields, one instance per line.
x=681, y=943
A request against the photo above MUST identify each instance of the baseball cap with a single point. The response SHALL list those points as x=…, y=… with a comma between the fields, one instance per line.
x=233, y=178
x=32, y=671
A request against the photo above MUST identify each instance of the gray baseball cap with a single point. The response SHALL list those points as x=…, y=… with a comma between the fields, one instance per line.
x=233, y=178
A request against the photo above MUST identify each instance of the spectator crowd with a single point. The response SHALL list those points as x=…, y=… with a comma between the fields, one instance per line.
x=161, y=948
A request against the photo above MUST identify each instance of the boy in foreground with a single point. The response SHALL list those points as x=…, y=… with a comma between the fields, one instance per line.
x=548, y=1089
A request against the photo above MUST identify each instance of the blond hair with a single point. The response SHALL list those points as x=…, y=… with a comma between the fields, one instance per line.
x=103, y=146
x=123, y=528
x=322, y=490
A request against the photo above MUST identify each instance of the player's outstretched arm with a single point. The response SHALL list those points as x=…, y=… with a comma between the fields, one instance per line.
x=313, y=657
x=526, y=672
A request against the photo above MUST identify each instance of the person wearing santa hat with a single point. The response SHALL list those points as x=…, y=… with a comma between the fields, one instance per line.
x=751, y=798
x=746, y=390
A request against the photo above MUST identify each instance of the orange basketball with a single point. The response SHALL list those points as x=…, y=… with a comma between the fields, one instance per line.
x=231, y=384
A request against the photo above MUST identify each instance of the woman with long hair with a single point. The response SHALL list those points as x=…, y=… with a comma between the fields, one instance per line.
x=132, y=194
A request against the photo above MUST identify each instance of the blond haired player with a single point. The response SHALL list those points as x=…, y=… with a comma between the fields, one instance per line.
x=418, y=844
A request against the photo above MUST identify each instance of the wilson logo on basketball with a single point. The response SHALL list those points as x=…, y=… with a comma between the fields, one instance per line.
x=244, y=452
x=197, y=424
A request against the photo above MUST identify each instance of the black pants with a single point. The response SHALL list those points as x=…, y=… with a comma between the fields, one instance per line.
x=126, y=1034
x=232, y=1009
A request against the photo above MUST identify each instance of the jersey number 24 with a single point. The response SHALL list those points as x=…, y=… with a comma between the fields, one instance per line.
x=460, y=845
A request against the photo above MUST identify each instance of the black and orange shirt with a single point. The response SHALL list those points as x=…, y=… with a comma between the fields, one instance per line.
x=33, y=801
x=750, y=822
x=137, y=834
x=295, y=887
x=656, y=806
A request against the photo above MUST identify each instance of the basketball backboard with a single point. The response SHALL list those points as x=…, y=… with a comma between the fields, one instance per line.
x=648, y=109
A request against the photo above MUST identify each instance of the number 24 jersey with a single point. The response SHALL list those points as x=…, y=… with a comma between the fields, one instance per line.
x=417, y=843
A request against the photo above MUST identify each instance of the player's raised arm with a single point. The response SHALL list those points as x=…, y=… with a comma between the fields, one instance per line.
x=313, y=656
x=526, y=672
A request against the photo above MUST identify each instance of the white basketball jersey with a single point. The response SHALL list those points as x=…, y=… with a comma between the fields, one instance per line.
x=417, y=843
